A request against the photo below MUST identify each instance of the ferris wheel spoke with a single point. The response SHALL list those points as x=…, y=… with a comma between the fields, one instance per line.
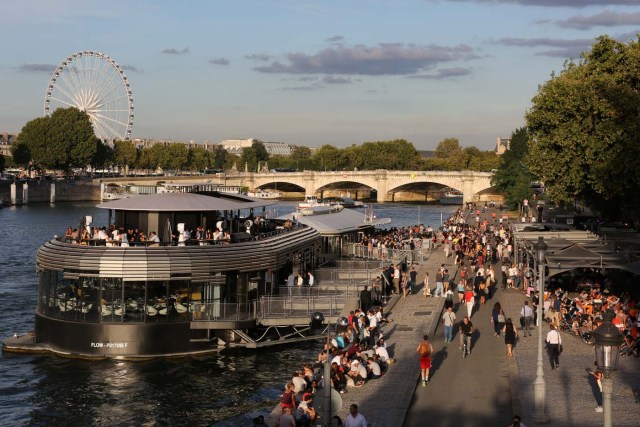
x=72, y=93
x=100, y=131
x=63, y=102
x=70, y=97
x=111, y=119
x=106, y=125
x=114, y=100
x=76, y=86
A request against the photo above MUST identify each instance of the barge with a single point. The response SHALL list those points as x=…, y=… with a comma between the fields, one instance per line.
x=105, y=294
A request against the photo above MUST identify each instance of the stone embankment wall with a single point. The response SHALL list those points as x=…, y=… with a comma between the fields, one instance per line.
x=42, y=192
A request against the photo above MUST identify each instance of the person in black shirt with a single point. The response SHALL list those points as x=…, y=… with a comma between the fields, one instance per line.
x=465, y=330
x=365, y=299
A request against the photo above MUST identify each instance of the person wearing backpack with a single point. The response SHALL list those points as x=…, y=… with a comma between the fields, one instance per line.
x=425, y=350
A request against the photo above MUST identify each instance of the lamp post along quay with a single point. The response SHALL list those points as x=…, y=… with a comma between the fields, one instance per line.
x=539, y=384
x=608, y=339
x=327, y=408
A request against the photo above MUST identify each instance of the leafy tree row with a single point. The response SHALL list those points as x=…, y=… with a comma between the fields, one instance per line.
x=66, y=139
x=394, y=155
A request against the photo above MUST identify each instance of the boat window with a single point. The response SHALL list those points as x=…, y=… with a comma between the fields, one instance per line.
x=111, y=307
x=134, y=303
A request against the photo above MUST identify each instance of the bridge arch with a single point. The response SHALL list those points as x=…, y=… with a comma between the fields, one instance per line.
x=428, y=190
x=281, y=185
x=354, y=188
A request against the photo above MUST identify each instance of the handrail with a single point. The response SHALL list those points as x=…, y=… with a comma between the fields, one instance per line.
x=190, y=242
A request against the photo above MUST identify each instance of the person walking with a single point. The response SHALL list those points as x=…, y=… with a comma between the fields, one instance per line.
x=310, y=279
x=425, y=350
x=413, y=277
x=470, y=300
x=354, y=419
x=405, y=285
x=365, y=299
x=465, y=330
x=554, y=347
x=290, y=281
x=497, y=317
x=510, y=336
x=445, y=280
x=426, y=290
x=527, y=313
x=449, y=320
x=439, y=283
x=598, y=375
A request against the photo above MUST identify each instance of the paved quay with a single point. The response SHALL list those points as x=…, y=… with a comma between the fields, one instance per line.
x=487, y=388
x=385, y=402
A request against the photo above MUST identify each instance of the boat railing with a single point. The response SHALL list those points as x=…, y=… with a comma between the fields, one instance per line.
x=322, y=289
x=299, y=306
x=189, y=242
x=386, y=254
x=221, y=311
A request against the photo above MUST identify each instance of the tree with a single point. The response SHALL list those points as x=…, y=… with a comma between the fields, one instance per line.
x=60, y=141
x=300, y=153
x=585, y=133
x=124, y=154
x=513, y=178
x=177, y=156
x=3, y=162
x=328, y=157
x=450, y=150
x=260, y=150
x=21, y=153
x=199, y=158
x=103, y=156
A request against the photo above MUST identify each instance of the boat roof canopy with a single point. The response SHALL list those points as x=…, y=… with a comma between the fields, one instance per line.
x=343, y=221
x=186, y=202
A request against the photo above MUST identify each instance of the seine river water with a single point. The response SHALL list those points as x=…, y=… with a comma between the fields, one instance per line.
x=223, y=390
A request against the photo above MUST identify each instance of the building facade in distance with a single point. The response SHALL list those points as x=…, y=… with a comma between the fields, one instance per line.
x=235, y=146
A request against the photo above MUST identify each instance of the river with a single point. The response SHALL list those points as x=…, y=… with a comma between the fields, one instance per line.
x=223, y=390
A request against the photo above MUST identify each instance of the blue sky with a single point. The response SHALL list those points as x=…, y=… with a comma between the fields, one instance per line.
x=310, y=72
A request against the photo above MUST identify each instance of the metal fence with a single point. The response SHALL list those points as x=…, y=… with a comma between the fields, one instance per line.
x=386, y=254
x=219, y=311
x=283, y=306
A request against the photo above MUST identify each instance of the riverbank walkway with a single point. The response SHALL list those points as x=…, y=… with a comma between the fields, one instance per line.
x=487, y=388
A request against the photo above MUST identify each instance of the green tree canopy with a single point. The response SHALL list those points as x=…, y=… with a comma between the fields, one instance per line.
x=124, y=154
x=21, y=153
x=177, y=156
x=513, y=177
x=60, y=141
x=584, y=130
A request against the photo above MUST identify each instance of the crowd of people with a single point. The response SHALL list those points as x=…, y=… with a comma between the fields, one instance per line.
x=182, y=236
x=356, y=353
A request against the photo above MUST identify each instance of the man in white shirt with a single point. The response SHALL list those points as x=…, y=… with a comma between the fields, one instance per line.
x=354, y=419
x=554, y=343
x=311, y=279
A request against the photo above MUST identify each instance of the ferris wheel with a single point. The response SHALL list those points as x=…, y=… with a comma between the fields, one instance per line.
x=94, y=83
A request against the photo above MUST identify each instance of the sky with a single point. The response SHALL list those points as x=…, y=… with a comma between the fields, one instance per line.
x=306, y=72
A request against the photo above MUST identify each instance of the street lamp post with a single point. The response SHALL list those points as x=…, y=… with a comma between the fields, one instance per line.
x=607, y=345
x=325, y=406
x=539, y=384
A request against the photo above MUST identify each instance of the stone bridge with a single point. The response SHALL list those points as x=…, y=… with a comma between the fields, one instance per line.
x=383, y=181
